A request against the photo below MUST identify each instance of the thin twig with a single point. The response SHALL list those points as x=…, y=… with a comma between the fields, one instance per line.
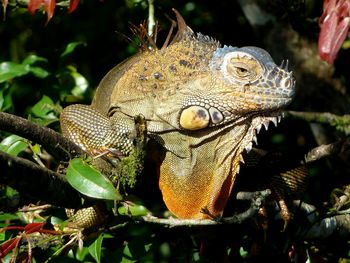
x=37, y=182
x=342, y=123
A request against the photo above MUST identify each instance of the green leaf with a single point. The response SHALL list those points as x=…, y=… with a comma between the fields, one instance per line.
x=70, y=48
x=43, y=107
x=43, y=110
x=31, y=59
x=10, y=70
x=13, y=145
x=81, y=84
x=39, y=72
x=95, y=248
x=6, y=102
x=81, y=254
x=134, y=210
x=89, y=181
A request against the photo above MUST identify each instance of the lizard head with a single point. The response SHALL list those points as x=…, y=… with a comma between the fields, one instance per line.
x=251, y=85
x=251, y=74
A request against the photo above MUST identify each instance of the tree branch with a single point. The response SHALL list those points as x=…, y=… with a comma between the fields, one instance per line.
x=57, y=145
x=38, y=182
x=342, y=123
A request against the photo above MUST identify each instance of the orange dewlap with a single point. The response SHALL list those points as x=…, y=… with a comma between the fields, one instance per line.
x=186, y=197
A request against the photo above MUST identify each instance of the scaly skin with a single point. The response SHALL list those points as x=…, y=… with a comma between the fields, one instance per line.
x=203, y=103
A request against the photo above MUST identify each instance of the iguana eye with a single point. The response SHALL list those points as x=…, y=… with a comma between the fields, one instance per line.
x=241, y=67
x=240, y=71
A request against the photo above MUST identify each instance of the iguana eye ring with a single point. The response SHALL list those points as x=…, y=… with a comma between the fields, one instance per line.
x=241, y=67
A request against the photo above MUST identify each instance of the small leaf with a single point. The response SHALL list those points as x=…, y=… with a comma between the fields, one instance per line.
x=10, y=70
x=31, y=59
x=73, y=4
x=89, y=181
x=81, y=254
x=39, y=72
x=95, y=248
x=81, y=84
x=43, y=107
x=133, y=210
x=13, y=145
x=36, y=149
x=70, y=48
x=43, y=112
x=2, y=236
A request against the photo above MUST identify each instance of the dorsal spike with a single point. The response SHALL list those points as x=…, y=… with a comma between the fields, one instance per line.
x=183, y=29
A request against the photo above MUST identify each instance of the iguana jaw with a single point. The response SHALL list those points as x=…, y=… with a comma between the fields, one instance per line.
x=256, y=125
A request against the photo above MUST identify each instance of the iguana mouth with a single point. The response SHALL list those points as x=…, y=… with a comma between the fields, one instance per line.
x=258, y=123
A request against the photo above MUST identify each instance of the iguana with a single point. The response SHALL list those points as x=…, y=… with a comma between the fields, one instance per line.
x=203, y=102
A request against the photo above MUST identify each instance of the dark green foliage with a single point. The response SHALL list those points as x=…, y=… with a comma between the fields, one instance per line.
x=44, y=67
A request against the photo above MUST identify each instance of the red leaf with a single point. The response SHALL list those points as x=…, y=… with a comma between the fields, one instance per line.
x=49, y=8
x=34, y=5
x=335, y=24
x=33, y=227
x=6, y=247
x=73, y=4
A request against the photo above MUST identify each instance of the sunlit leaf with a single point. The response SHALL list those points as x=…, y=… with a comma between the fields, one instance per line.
x=73, y=4
x=36, y=148
x=81, y=84
x=13, y=145
x=31, y=59
x=10, y=70
x=95, y=248
x=89, y=181
x=134, y=210
x=81, y=254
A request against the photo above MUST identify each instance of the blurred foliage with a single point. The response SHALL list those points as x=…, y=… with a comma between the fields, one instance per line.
x=46, y=66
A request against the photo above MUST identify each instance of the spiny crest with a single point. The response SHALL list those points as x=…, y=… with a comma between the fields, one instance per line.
x=144, y=40
x=184, y=32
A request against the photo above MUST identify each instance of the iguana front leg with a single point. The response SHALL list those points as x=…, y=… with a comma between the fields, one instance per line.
x=95, y=133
